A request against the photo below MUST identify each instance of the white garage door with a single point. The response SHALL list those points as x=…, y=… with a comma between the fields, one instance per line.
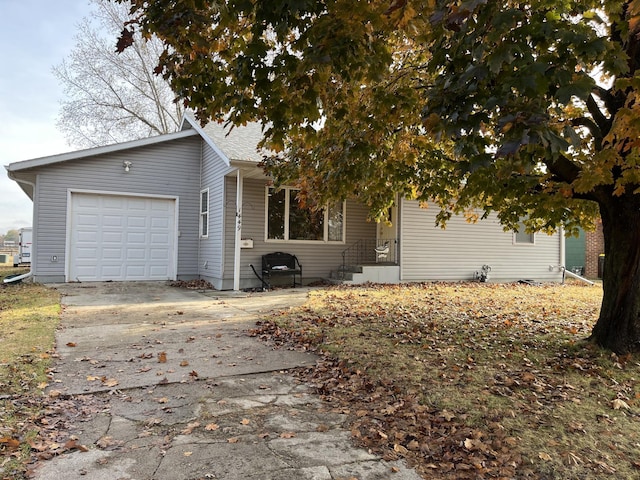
x=117, y=237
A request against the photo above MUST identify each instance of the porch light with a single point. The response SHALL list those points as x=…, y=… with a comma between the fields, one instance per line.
x=127, y=165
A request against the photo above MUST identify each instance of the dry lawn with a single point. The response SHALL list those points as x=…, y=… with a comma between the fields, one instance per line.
x=29, y=314
x=474, y=381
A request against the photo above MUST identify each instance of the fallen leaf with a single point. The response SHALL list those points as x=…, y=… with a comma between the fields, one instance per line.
x=617, y=404
x=211, y=427
x=11, y=443
x=162, y=357
x=184, y=363
x=73, y=444
x=447, y=415
x=233, y=440
x=400, y=449
x=288, y=435
x=187, y=454
x=544, y=456
x=110, y=382
x=190, y=428
x=245, y=421
x=163, y=400
x=71, y=344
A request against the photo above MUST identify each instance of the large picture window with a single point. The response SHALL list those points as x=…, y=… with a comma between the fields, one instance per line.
x=288, y=220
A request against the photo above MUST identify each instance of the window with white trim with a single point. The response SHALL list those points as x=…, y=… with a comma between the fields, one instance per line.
x=521, y=237
x=289, y=221
x=204, y=213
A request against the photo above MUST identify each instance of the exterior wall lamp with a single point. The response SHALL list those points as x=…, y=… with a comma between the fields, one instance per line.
x=127, y=165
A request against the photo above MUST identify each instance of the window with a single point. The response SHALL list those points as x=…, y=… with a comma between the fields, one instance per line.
x=204, y=213
x=521, y=237
x=288, y=220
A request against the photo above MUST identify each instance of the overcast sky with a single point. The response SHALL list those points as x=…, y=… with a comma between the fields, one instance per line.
x=35, y=35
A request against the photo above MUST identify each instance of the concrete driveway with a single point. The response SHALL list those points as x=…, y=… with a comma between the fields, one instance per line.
x=187, y=394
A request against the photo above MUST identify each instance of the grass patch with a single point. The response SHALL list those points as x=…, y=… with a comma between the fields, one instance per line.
x=475, y=380
x=29, y=315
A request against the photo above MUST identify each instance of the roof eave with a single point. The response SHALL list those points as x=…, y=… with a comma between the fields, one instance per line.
x=64, y=157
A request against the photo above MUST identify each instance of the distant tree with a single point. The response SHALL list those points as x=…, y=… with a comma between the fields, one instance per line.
x=529, y=109
x=112, y=98
x=11, y=236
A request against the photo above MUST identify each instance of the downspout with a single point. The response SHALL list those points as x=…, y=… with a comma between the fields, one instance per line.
x=563, y=248
x=17, y=278
x=33, y=238
x=236, y=261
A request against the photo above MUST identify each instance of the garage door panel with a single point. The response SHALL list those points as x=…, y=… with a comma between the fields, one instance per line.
x=134, y=238
x=109, y=237
x=83, y=253
x=159, y=222
x=136, y=254
x=87, y=219
x=112, y=220
x=160, y=239
x=121, y=238
x=137, y=221
x=159, y=253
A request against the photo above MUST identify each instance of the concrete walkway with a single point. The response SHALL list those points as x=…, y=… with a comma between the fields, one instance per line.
x=188, y=395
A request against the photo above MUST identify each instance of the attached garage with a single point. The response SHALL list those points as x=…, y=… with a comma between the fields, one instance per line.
x=120, y=237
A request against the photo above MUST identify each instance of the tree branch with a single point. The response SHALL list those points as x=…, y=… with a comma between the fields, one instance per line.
x=593, y=128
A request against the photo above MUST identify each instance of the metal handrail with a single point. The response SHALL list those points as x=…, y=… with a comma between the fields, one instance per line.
x=369, y=251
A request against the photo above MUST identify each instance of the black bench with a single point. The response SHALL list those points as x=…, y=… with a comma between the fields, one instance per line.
x=278, y=264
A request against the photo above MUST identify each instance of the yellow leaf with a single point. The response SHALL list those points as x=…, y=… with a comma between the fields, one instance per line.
x=448, y=416
x=109, y=382
x=190, y=428
x=187, y=454
x=245, y=421
x=617, y=404
x=400, y=449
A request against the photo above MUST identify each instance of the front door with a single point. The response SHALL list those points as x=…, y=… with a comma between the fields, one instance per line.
x=387, y=235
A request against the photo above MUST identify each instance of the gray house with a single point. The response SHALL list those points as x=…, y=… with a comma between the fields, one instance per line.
x=195, y=204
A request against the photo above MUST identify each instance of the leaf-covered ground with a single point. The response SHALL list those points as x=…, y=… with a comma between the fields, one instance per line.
x=29, y=314
x=473, y=381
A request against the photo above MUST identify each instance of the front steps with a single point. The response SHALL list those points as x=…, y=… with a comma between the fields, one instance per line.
x=375, y=273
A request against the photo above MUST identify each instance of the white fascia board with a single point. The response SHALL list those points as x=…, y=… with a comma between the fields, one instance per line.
x=91, y=152
x=196, y=126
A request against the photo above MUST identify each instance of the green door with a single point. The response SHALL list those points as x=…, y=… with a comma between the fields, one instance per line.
x=576, y=253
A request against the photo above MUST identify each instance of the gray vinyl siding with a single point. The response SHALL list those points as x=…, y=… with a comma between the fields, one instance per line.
x=318, y=259
x=169, y=168
x=430, y=253
x=214, y=170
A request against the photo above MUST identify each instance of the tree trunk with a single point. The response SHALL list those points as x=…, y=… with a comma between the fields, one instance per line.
x=618, y=327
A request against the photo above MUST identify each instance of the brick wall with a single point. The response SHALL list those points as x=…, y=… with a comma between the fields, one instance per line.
x=593, y=248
